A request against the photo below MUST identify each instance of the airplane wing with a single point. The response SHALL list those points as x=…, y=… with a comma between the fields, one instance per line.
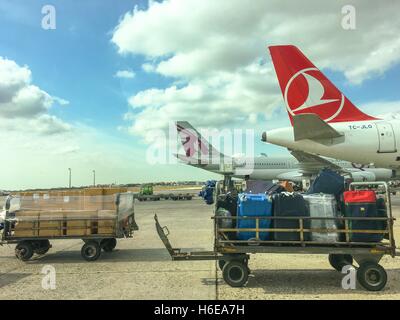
x=310, y=126
x=312, y=164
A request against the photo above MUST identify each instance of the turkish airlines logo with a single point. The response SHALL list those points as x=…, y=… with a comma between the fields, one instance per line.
x=308, y=91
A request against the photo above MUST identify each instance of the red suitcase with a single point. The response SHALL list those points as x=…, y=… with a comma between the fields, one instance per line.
x=359, y=196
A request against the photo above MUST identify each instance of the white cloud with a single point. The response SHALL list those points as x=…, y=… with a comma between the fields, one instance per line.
x=24, y=106
x=217, y=51
x=60, y=101
x=383, y=109
x=126, y=74
x=225, y=34
x=37, y=147
x=224, y=100
x=148, y=67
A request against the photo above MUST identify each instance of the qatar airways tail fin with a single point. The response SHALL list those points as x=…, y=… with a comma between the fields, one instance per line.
x=196, y=147
x=305, y=88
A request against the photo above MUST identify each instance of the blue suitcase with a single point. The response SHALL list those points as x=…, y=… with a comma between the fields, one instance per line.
x=251, y=205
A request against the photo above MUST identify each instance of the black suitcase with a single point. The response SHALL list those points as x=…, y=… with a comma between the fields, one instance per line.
x=290, y=205
x=382, y=213
x=364, y=210
x=228, y=202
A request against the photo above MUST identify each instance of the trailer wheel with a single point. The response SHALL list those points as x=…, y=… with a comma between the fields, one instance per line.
x=108, y=245
x=235, y=273
x=222, y=263
x=24, y=251
x=372, y=276
x=91, y=251
x=43, y=247
x=338, y=261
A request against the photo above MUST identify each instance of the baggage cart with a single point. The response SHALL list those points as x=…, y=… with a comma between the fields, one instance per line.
x=31, y=222
x=233, y=255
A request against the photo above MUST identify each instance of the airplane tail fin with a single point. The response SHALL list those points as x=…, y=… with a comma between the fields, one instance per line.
x=194, y=144
x=306, y=89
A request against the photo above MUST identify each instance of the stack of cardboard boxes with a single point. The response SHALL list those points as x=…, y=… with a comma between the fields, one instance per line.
x=67, y=213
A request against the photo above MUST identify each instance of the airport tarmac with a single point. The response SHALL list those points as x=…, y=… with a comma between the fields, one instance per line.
x=140, y=268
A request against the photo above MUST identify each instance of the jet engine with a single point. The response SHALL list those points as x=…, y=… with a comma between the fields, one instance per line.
x=362, y=176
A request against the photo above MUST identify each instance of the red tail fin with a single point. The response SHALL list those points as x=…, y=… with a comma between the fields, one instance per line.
x=306, y=89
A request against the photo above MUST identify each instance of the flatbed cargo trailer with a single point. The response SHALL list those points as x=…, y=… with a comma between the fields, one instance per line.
x=98, y=220
x=233, y=255
x=164, y=196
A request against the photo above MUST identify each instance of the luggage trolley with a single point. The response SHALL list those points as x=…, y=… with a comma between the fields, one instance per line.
x=32, y=229
x=233, y=255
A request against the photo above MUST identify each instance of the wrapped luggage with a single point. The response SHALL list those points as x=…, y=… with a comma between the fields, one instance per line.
x=226, y=222
x=323, y=206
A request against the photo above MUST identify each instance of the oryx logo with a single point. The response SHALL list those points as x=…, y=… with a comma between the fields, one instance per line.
x=192, y=142
x=309, y=91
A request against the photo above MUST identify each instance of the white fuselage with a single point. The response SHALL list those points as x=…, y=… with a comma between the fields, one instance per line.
x=367, y=142
x=288, y=168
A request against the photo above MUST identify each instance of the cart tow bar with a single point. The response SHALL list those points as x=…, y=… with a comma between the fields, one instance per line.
x=176, y=253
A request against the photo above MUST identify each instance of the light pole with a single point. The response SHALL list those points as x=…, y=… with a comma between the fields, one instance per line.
x=70, y=174
x=94, y=178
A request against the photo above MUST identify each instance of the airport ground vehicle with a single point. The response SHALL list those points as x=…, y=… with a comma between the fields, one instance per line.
x=233, y=255
x=146, y=193
x=32, y=222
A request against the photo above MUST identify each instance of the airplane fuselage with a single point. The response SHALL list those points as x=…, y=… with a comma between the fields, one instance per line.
x=288, y=168
x=367, y=142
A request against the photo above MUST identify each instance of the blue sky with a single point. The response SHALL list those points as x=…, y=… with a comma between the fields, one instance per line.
x=77, y=62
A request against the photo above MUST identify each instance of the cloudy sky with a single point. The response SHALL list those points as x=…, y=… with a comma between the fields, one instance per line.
x=94, y=92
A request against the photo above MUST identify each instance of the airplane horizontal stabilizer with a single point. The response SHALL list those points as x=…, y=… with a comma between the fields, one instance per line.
x=310, y=126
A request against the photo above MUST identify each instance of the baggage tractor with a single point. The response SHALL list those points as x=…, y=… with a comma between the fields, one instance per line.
x=253, y=205
x=290, y=205
x=322, y=206
x=363, y=203
x=328, y=182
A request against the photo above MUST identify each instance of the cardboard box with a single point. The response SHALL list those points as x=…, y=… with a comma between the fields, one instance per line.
x=80, y=223
x=26, y=229
x=51, y=224
x=106, y=230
